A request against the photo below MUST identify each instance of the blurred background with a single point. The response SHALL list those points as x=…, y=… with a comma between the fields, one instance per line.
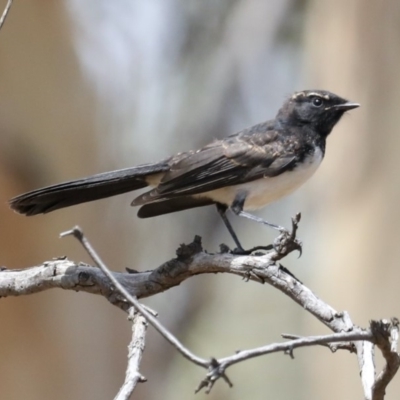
x=93, y=85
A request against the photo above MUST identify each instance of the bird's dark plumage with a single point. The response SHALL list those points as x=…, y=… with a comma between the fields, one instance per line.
x=259, y=164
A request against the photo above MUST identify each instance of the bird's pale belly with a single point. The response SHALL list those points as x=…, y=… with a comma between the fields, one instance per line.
x=267, y=190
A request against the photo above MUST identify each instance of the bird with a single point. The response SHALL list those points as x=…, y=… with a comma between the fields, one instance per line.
x=242, y=172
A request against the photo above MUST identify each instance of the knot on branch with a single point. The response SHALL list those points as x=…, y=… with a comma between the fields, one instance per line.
x=287, y=241
x=187, y=251
x=216, y=370
x=177, y=267
x=385, y=332
x=85, y=279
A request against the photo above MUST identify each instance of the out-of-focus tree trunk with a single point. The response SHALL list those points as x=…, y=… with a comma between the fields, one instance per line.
x=352, y=47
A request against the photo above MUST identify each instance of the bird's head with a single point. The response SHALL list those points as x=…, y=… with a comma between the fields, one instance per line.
x=319, y=109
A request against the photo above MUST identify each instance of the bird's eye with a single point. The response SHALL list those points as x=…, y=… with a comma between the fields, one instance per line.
x=317, y=102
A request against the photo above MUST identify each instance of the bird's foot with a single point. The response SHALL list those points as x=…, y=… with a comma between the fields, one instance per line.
x=284, y=244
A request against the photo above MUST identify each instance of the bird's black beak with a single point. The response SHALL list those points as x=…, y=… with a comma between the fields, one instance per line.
x=346, y=106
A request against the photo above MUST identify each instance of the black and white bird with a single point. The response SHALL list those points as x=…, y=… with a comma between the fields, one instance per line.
x=244, y=171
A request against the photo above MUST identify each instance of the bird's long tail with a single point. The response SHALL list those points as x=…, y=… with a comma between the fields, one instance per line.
x=86, y=189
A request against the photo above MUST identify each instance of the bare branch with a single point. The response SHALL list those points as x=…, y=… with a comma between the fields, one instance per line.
x=135, y=352
x=334, y=346
x=5, y=13
x=366, y=364
x=192, y=260
x=296, y=343
x=386, y=335
x=218, y=367
x=78, y=234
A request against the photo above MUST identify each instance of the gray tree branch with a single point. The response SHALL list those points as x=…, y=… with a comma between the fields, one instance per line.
x=135, y=353
x=123, y=290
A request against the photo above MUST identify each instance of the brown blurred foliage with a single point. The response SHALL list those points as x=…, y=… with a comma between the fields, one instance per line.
x=91, y=86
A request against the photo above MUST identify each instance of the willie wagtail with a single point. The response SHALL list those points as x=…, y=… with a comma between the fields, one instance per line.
x=244, y=171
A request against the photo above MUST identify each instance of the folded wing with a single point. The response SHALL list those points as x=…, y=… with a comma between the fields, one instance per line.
x=227, y=162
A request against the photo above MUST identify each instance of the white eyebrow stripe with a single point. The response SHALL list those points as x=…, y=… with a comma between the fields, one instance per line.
x=324, y=96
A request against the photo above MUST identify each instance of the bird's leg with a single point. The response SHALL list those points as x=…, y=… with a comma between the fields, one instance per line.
x=237, y=208
x=260, y=220
x=239, y=248
x=285, y=242
x=222, y=212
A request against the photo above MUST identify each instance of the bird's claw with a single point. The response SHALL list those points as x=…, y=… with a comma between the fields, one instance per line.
x=284, y=244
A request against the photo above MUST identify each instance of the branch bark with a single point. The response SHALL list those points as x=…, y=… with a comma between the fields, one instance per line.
x=135, y=353
x=123, y=290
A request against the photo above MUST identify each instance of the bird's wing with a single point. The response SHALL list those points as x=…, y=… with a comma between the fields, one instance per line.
x=231, y=161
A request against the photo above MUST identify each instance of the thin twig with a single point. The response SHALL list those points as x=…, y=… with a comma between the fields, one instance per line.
x=78, y=234
x=136, y=348
x=5, y=13
x=218, y=367
x=333, y=346
x=296, y=343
